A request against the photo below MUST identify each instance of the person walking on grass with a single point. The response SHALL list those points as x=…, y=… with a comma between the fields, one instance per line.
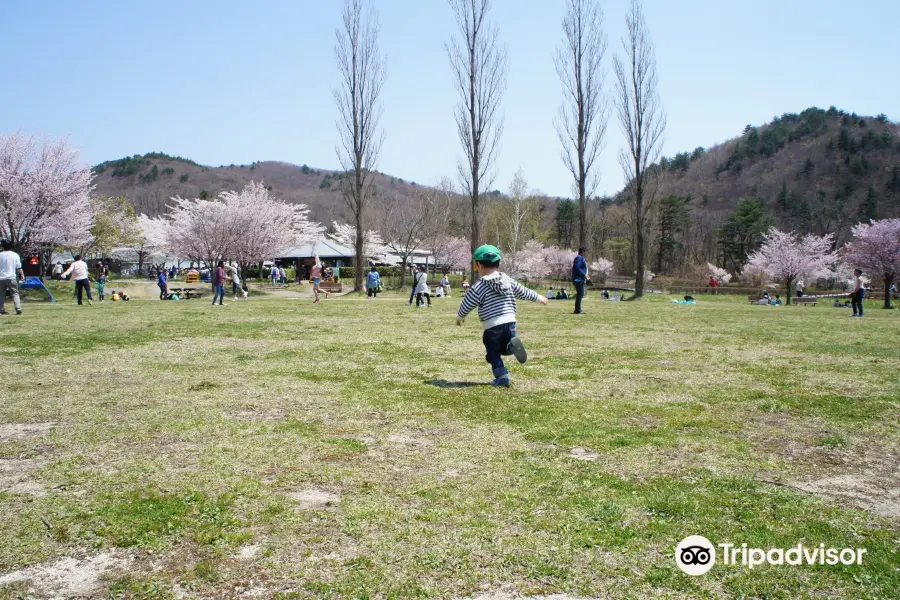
x=445, y=283
x=11, y=275
x=162, y=280
x=856, y=296
x=494, y=294
x=79, y=272
x=373, y=282
x=420, y=287
x=235, y=274
x=218, y=281
x=316, y=273
x=579, y=278
x=102, y=276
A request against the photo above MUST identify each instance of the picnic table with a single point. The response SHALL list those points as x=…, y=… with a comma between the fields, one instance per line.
x=187, y=293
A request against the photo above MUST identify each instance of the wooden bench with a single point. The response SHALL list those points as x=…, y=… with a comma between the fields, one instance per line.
x=807, y=300
x=331, y=287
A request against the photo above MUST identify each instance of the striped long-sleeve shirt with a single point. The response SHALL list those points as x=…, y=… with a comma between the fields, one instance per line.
x=495, y=297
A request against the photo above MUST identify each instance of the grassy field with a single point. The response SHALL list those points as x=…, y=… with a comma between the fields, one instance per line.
x=273, y=448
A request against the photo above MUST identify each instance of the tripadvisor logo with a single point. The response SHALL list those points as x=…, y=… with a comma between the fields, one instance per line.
x=696, y=555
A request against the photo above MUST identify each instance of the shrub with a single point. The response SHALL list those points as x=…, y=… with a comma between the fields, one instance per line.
x=169, y=171
x=183, y=178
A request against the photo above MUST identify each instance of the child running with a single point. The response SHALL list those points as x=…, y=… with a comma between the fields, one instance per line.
x=495, y=296
x=316, y=274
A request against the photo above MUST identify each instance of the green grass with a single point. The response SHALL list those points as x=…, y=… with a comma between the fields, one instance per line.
x=187, y=431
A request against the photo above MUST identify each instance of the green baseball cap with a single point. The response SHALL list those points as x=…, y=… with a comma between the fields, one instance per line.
x=488, y=254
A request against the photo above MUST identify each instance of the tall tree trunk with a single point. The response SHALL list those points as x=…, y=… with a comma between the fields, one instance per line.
x=790, y=280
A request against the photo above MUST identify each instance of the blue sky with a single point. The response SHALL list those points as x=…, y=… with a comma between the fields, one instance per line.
x=227, y=81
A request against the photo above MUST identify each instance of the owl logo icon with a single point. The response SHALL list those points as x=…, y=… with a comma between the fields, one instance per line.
x=695, y=555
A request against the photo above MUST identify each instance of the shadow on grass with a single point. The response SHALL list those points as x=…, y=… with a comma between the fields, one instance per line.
x=443, y=383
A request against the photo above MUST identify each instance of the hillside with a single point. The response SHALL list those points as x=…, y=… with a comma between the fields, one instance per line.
x=817, y=171
x=149, y=181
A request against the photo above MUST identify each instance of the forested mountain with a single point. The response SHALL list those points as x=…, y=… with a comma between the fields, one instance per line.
x=149, y=181
x=818, y=171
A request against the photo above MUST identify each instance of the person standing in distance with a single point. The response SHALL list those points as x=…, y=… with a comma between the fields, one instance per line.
x=856, y=296
x=580, y=278
x=79, y=272
x=11, y=275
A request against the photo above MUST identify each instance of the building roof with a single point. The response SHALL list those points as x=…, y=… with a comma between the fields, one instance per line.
x=323, y=247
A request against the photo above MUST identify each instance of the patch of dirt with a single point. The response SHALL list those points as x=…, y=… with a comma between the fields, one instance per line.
x=504, y=595
x=583, y=454
x=248, y=552
x=249, y=413
x=68, y=576
x=16, y=432
x=872, y=485
x=405, y=439
x=14, y=476
x=314, y=498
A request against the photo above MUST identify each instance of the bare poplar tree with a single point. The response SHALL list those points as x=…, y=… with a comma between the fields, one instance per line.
x=363, y=73
x=643, y=122
x=407, y=222
x=479, y=64
x=520, y=211
x=583, y=115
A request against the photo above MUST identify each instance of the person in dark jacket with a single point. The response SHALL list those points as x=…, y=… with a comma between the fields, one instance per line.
x=579, y=278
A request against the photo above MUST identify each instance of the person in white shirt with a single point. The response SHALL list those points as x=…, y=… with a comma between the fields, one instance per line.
x=236, y=280
x=79, y=272
x=11, y=275
x=57, y=271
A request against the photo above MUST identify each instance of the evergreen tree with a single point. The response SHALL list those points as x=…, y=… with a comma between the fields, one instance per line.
x=743, y=232
x=566, y=215
x=674, y=218
x=784, y=197
x=868, y=209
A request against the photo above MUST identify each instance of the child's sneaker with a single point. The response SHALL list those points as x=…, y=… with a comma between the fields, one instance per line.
x=517, y=349
x=502, y=381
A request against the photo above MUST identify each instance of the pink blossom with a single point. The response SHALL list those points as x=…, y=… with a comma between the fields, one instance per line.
x=876, y=250
x=787, y=257
x=44, y=193
x=602, y=268
x=373, y=245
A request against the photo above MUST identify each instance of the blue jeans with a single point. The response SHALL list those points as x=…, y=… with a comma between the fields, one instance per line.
x=83, y=285
x=580, y=290
x=496, y=344
x=856, y=302
x=219, y=293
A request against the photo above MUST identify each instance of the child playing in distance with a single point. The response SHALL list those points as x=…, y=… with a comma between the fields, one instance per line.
x=494, y=294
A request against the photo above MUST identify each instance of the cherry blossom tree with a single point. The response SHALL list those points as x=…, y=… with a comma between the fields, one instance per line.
x=714, y=272
x=785, y=257
x=875, y=249
x=373, y=246
x=152, y=238
x=450, y=252
x=532, y=261
x=264, y=226
x=44, y=195
x=560, y=261
x=246, y=225
x=754, y=275
x=602, y=268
